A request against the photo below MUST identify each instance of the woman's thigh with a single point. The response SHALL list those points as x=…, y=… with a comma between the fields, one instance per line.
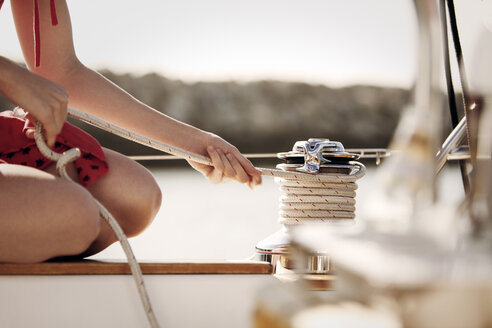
x=131, y=195
x=129, y=192
x=43, y=216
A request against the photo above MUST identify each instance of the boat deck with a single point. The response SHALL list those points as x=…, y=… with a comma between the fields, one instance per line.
x=101, y=293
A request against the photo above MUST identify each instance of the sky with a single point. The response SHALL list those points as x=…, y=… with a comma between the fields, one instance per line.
x=330, y=42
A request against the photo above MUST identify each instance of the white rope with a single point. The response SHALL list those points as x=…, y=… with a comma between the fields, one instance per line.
x=149, y=142
x=320, y=198
x=61, y=161
x=300, y=189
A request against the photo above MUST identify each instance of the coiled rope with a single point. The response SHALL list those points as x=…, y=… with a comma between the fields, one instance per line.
x=308, y=198
x=319, y=198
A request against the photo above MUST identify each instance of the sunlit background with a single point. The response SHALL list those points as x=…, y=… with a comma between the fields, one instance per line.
x=335, y=44
x=262, y=74
x=319, y=41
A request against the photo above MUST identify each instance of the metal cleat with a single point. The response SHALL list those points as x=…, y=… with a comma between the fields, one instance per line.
x=313, y=153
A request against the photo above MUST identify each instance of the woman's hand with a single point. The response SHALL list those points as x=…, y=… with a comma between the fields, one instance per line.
x=43, y=100
x=228, y=163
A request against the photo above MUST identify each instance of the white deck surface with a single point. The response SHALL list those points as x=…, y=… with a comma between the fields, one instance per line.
x=112, y=301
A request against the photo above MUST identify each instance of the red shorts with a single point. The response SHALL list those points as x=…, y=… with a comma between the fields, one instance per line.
x=16, y=148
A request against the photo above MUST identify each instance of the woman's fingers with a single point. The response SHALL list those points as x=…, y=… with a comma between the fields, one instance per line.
x=56, y=116
x=228, y=171
x=222, y=168
x=241, y=175
x=60, y=94
x=215, y=173
x=52, y=129
x=226, y=166
x=56, y=113
x=215, y=158
x=253, y=173
x=52, y=124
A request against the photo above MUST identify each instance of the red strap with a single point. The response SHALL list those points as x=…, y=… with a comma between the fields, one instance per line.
x=37, y=38
x=1, y=3
x=37, y=34
x=54, y=19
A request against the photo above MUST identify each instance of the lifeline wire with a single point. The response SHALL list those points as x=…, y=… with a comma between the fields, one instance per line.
x=61, y=161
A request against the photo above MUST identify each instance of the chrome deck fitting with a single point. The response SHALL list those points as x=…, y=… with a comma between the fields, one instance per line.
x=313, y=156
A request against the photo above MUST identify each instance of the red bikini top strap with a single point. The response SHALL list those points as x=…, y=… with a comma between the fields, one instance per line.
x=37, y=35
x=54, y=19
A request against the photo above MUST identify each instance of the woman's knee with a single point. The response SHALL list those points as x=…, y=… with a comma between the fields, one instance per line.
x=130, y=193
x=146, y=203
x=45, y=218
x=82, y=224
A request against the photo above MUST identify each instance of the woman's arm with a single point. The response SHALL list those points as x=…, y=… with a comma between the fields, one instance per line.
x=92, y=93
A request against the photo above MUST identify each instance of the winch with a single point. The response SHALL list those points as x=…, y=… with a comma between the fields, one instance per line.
x=320, y=189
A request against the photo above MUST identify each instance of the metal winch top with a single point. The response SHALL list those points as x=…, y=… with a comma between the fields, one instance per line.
x=317, y=155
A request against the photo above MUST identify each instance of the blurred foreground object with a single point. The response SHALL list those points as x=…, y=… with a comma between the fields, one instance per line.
x=410, y=261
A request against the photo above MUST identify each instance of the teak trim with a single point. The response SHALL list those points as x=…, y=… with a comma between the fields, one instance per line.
x=86, y=267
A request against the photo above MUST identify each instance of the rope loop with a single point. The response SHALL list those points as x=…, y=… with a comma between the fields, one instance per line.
x=61, y=160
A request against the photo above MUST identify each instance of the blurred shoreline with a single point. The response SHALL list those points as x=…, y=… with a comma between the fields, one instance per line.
x=269, y=116
x=264, y=116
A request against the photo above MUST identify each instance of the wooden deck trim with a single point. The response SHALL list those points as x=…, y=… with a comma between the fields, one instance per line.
x=91, y=267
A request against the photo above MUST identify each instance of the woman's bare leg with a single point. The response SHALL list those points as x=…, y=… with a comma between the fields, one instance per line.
x=42, y=216
x=129, y=192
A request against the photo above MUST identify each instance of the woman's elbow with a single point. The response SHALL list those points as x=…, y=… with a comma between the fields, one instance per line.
x=61, y=71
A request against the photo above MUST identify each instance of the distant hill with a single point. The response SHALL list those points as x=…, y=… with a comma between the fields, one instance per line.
x=266, y=116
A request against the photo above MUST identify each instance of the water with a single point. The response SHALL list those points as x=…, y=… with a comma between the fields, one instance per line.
x=200, y=220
